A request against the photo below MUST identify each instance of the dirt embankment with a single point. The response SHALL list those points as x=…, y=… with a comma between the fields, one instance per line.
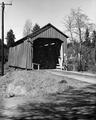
x=34, y=83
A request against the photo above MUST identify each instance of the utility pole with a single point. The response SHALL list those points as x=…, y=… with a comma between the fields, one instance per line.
x=2, y=49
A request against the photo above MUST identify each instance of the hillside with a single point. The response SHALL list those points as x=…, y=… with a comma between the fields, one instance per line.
x=35, y=83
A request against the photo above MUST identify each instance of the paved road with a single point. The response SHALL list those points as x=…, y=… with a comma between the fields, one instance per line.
x=87, y=77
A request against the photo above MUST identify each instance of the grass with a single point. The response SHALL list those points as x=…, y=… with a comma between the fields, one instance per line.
x=38, y=82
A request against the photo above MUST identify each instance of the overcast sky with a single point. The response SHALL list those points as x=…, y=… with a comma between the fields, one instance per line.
x=42, y=12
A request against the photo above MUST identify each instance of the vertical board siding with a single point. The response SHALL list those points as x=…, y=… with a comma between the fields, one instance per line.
x=29, y=56
x=10, y=56
x=13, y=56
x=17, y=56
x=50, y=33
x=21, y=58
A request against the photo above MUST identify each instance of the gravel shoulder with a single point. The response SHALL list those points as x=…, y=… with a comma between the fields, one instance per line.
x=80, y=76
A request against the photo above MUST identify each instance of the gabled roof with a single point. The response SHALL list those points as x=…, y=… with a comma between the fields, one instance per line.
x=46, y=27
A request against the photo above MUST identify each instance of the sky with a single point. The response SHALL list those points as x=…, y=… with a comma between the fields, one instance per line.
x=42, y=12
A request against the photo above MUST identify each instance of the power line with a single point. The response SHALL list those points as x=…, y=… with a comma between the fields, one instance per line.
x=2, y=49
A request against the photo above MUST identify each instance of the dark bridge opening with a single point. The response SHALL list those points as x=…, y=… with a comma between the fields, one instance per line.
x=46, y=52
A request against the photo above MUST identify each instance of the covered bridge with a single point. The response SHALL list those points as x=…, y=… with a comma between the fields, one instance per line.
x=45, y=47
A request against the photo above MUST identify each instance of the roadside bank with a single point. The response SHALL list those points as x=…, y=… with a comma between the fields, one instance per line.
x=35, y=83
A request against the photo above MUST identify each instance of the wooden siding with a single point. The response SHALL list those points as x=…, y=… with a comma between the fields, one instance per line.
x=50, y=33
x=20, y=56
x=29, y=55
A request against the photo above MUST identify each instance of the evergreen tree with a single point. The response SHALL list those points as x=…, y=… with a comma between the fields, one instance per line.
x=10, y=38
x=94, y=42
x=94, y=38
x=87, y=38
x=36, y=28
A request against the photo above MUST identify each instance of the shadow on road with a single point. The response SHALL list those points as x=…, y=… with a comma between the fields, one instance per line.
x=72, y=104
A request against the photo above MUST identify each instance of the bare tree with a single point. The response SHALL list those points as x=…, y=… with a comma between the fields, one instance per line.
x=80, y=22
x=69, y=24
x=76, y=24
x=27, y=28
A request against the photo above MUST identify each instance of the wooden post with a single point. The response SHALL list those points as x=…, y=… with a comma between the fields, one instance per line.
x=38, y=66
x=2, y=60
x=32, y=66
x=61, y=56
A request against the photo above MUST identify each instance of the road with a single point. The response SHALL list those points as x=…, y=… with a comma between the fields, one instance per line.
x=81, y=76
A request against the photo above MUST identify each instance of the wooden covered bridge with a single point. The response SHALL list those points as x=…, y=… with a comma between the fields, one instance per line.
x=45, y=48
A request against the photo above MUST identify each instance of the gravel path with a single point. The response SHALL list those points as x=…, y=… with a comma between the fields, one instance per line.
x=86, y=77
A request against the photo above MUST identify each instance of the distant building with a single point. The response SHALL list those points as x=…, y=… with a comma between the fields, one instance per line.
x=45, y=47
